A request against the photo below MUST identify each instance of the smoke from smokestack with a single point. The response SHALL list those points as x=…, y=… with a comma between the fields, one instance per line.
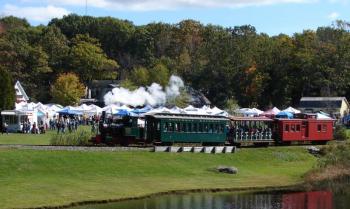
x=151, y=95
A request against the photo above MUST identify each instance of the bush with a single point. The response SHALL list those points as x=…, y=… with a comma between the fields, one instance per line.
x=78, y=138
x=340, y=133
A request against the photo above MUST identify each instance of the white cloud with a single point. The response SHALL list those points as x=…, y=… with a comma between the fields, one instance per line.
x=333, y=15
x=39, y=14
x=146, y=5
x=344, y=2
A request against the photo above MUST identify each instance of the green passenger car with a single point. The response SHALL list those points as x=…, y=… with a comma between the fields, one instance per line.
x=169, y=128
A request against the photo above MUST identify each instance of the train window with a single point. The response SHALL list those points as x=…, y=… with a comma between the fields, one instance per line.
x=216, y=128
x=195, y=127
x=319, y=127
x=324, y=127
x=298, y=127
x=206, y=128
x=190, y=127
x=178, y=127
x=166, y=127
x=171, y=127
x=292, y=127
x=222, y=127
x=211, y=128
x=158, y=126
x=200, y=127
x=286, y=128
x=184, y=127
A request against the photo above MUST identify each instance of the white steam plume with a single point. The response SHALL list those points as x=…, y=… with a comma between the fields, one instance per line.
x=151, y=95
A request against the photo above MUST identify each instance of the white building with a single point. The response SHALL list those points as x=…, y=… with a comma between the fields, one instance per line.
x=21, y=95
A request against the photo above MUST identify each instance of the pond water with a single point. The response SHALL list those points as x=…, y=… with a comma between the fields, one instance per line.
x=319, y=199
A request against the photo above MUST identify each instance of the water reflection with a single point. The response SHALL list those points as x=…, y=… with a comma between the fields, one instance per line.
x=308, y=200
x=291, y=200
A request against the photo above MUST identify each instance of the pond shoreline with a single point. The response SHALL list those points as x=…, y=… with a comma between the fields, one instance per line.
x=305, y=186
x=289, y=188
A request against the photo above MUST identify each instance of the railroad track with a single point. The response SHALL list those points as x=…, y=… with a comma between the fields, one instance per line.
x=74, y=148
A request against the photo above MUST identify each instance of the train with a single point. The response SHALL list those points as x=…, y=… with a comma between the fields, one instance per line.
x=170, y=129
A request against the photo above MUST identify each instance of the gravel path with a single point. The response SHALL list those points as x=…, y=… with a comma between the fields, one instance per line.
x=76, y=148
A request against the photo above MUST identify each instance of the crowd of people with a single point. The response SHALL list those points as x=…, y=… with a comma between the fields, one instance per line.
x=34, y=128
x=249, y=130
x=62, y=123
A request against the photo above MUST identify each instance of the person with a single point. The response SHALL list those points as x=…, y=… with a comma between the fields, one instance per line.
x=58, y=125
x=34, y=128
x=93, y=127
x=28, y=127
x=5, y=128
x=41, y=127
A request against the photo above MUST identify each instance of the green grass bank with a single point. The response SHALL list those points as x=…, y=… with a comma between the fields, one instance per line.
x=32, y=178
x=32, y=139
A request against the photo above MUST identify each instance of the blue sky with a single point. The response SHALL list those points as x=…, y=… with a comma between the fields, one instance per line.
x=268, y=16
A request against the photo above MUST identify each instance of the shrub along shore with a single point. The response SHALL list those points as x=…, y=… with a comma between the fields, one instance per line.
x=38, y=178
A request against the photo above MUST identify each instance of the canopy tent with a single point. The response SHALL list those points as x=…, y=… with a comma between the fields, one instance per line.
x=94, y=110
x=159, y=110
x=177, y=110
x=142, y=110
x=273, y=111
x=291, y=110
x=69, y=111
x=283, y=114
x=190, y=108
x=111, y=109
x=216, y=111
x=54, y=107
x=322, y=116
x=122, y=113
x=250, y=111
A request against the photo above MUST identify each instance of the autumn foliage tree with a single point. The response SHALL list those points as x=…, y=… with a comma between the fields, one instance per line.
x=67, y=89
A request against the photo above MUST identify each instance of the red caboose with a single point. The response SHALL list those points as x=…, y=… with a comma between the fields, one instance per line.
x=304, y=127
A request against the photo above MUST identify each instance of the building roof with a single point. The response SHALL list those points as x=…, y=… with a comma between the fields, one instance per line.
x=323, y=98
x=186, y=116
x=322, y=102
x=20, y=88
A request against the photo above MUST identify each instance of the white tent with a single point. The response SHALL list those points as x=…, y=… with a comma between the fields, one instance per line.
x=177, y=110
x=273, y=111
x=250, y=112
x=190, y=108
x=111, y=109
x=291, y=110
x=321, y=116
x=94, y=109
x=159, y=110
x=53, y=108
x=242, y=110
x=217, y=111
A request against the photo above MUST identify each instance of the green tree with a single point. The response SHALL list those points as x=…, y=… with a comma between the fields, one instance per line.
x=67, y=89
x=181, y=100
x=128, y=84
x=55, y=44
x=140, y=76
x=7, y=90
x=11, y=22
x=89, y=61
x=159, y=74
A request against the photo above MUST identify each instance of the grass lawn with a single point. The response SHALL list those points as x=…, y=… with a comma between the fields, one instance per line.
x=30, y=139
x=32, y=178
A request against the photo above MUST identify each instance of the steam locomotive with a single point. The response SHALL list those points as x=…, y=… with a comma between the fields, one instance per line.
x=168, y=129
